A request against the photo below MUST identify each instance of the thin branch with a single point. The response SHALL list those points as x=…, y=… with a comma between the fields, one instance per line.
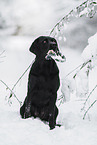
x=60, y=22
x=60, y=98
x=18, y=81
x=2, y=56
x=89, y=109
x=72, y=71
x=66, y=17
x=22, y=75
x=2, y=52
x=60, y=103
x=88, y=97
x=84, y=64
x=81, y=65
x=12, y=93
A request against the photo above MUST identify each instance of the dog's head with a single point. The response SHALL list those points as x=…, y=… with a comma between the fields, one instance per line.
x=44, y=45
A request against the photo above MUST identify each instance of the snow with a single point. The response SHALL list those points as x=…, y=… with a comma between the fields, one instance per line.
x=91, y=49
x=34, y=17
x=14, y=130
x=90, y=52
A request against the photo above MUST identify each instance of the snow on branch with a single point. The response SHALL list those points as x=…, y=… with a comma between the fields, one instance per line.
x=81, y=73
x=87, y=8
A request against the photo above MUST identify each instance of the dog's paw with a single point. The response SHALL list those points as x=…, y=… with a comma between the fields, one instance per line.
x=27, y=115
x=51, y=128
x=59, y=125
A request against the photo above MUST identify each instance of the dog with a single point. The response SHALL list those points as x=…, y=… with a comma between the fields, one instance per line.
x=43, y=83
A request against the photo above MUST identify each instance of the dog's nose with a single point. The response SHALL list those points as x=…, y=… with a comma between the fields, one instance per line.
x=52, y=42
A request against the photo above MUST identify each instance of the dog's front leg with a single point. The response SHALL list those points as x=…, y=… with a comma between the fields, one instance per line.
x=27, y=112
x=52, y=118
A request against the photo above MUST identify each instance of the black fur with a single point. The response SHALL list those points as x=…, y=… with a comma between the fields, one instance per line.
x=43, y=83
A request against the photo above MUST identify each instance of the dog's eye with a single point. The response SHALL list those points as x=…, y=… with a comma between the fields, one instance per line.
x=44, y=41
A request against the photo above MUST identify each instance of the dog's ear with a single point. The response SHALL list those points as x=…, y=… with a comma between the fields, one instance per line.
x=34, y=47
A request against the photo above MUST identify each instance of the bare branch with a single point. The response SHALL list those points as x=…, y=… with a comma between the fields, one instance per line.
x=89, y=109
x=21, y=76
x=72, y=71
x=88, y=97
x=83, y=65
x=2, y=52
x=20, y=79
x=12, y=93
x=78, y=9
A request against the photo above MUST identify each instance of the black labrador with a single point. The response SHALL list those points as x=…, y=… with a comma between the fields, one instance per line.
x=43, y=82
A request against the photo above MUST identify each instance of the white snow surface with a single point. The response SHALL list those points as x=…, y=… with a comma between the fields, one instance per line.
x=17, y=131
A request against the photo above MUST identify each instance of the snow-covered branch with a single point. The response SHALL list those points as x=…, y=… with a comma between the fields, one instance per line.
x=81, y=75
x=87, y=8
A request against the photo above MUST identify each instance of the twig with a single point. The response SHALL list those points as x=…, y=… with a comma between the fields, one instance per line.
x=22, y=75
x=60, y=22
x=88, y=97
x=60, y=98
x=2, y=52
x=60, y=103
x=72, y=71
x=83, y=65
x=12, y=93
x=2, y=56
x=89, y=109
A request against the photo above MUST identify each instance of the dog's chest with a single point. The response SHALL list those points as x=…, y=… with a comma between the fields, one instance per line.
x=45, y=68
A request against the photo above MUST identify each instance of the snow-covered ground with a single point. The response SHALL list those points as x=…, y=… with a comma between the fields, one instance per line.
x=19, y=20
x=16, y=131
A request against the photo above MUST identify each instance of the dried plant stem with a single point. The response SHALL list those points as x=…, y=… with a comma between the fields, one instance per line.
x=60, y=98
x=89, y=109
x=11, y=94
x=21, y=76
x=83, y=65
x=72, y=71
x=88, y=97
x=11, y=91
x=2, y=52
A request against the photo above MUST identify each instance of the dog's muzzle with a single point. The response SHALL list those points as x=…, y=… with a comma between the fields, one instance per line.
x=56, y=55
